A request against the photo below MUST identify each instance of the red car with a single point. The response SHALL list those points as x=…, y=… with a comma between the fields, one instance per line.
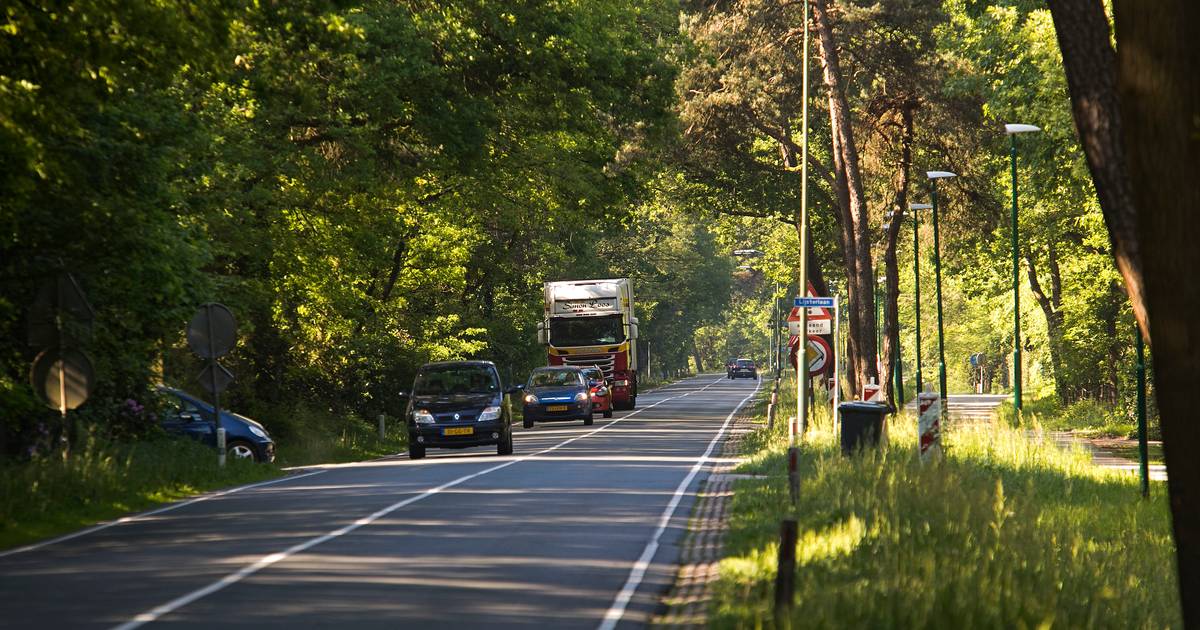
x=601, y=393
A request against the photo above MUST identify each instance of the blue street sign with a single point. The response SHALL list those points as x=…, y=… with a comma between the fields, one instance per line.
x=813, y=302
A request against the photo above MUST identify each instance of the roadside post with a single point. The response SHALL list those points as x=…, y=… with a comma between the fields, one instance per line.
x=929, y=425
x=793, y=474
x=1143, y=449
x=221, y=446
x=382, y=426
x=785, y=573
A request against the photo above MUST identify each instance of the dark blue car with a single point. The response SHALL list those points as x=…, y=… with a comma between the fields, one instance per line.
x=190, y=416
x=557, y=393
x=458, y=404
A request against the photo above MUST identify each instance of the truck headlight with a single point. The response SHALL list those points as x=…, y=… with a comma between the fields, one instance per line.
x=621, y=383
x=489, y=414
x=421, y=416
x=581, y=397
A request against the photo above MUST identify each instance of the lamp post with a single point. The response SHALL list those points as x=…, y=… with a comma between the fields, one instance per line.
x=915, y=207
x=1012, y=130
x=934, y=176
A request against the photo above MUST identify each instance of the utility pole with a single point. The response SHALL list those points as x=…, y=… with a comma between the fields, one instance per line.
x=802, y=351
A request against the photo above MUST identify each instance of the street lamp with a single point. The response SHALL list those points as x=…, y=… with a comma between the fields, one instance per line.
x=917, y=284
x=748, y=252
x=934, y=176
x=1012, y=130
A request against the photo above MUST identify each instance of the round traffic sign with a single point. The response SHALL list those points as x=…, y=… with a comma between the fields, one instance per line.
x=62, y=379
x=212, y=332
x=818, y=352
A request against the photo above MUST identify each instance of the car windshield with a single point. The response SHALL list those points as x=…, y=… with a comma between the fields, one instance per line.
x=586, y=331
x=555, y=378
x=456, y=379
x=594, y=374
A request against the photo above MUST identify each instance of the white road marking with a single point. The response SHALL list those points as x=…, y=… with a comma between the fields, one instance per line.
x=137, y=517
x=266, y=561
x=638, y=572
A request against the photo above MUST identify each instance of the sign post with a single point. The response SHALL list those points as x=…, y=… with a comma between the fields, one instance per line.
x=211, y=334
x=837, y=363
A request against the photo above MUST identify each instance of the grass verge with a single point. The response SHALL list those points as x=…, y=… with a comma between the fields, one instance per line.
x=1004, y=532
x=101, y=481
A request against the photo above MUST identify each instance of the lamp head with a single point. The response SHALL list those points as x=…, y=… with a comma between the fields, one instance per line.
x=919, y=206
x=1019, y=128
x=939, y=174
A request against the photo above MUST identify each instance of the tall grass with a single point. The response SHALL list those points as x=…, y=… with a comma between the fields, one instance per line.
x=1086, y=417
x=307, y=435
x=102, y=480
x=1005, y=532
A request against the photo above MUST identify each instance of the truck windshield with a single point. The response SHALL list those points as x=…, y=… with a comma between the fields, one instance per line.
x=586, y=331
x=456, y=379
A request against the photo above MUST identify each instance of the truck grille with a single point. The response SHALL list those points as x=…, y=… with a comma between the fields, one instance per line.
x=604, y=361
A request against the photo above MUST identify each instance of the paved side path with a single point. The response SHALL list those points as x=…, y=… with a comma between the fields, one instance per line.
x=686, y=604
x=1106, y=458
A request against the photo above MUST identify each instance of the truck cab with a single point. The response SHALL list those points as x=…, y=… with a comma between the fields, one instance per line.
x=592, y=322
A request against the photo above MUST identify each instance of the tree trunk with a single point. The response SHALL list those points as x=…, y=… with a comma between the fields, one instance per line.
x=860, y=276
x=1136, y=109
x=1052, y=310
x=1091, y=68
x=891, y=309
x=1159, y=93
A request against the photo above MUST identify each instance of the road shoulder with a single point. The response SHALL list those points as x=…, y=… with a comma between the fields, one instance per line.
x=686, y=603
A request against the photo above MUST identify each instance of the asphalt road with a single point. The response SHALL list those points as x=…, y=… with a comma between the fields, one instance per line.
x=578, y=528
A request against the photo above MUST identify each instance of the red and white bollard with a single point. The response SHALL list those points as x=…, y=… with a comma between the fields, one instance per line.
x=929, y=425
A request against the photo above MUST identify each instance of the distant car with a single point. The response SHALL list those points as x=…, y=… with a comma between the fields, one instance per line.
x=190, y=416
x=743, y=368
x=601, y=391
x=458, y=404
x=557, y=393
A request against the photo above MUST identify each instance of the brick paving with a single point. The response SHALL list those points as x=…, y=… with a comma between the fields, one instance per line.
x=686, y=605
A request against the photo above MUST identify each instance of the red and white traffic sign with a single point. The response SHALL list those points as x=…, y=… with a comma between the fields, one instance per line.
x=817, y=350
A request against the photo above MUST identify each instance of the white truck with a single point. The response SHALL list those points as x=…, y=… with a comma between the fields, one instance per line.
x=591, y=322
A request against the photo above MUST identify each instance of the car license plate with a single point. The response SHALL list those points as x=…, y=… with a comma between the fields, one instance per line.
x=557, y=408
x=459, y=431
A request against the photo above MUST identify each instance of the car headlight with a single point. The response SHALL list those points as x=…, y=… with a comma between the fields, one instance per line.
x=257, y=431
x=530, y=399
x=422, y=416
x=489, y=414
x=581, y=397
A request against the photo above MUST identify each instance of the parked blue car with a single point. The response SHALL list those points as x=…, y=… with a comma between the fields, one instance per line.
x=190, y=416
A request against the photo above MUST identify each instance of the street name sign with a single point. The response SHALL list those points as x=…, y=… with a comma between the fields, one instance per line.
x=813, y=302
